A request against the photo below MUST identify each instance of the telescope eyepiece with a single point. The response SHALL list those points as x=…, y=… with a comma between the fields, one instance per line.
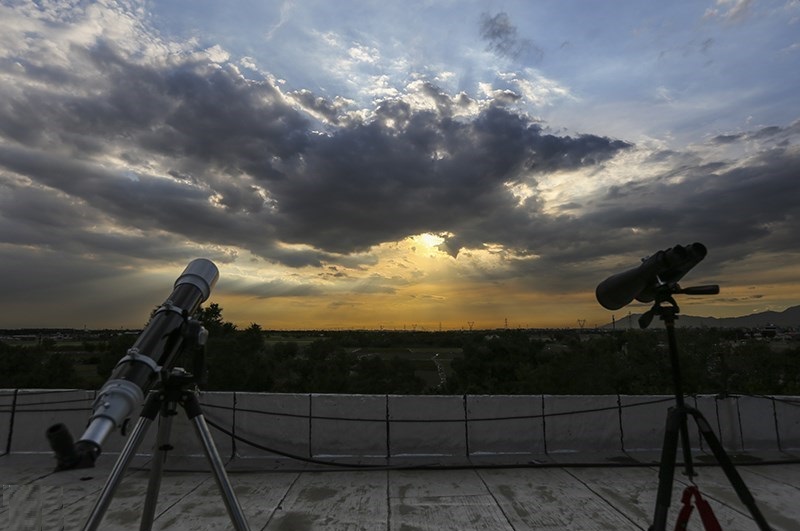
x=68, y=454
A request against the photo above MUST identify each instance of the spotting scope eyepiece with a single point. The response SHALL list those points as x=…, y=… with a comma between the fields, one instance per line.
x=155, y=350
x=640, y=283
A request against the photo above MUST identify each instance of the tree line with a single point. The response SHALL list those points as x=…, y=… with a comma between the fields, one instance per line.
x=501, y=362
x=712, y=361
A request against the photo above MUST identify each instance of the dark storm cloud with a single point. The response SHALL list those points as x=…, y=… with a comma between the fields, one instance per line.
x=328, y=110
x=244, y=168
x=774, y=134
x=273, y=288
x=736, y=211
x=42, y=286
x=142, y=201
x=206, y=113
x=727, y=139
x=217, y=159
x=372, y=183
x=503, y=39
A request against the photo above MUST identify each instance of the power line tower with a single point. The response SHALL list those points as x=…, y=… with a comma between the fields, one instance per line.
x=581, y=323
x=471, y=324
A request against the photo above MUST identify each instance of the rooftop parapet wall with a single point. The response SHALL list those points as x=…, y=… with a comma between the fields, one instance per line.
x=389, y=426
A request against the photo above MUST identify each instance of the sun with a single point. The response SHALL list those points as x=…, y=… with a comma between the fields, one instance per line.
x=429, y=240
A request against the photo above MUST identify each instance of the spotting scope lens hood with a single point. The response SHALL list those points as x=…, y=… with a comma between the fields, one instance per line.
x=640, y=283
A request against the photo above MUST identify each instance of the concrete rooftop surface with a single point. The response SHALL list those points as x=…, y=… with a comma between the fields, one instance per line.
x=460, y=463
x=579, y=498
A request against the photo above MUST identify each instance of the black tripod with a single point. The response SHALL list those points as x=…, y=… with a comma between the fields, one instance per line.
x=178, y=387
x=667, y=310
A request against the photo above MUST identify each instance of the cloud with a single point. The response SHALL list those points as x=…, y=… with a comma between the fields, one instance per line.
x=154, y=152
x=43, y=287
x=503, y=40
x=273, y=288
x=736, y=209
x=286, y=8
x=730, y=10
x=372, y=182
x=739, y=209
x=189, y=148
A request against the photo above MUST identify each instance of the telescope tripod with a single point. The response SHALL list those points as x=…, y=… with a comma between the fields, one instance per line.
x=177, y=388
x=667, y=310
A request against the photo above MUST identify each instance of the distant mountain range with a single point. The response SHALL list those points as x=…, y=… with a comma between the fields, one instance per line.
x=790, y=317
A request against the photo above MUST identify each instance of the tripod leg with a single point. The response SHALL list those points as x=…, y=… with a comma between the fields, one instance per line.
x=666, y=469
x=157, y=468
x=195, y=414
x=730, y=471
x=149, y=412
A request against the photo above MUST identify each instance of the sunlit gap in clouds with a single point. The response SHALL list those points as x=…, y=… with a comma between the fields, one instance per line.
x=429, y=240
x=575, y=190
x=409, y=281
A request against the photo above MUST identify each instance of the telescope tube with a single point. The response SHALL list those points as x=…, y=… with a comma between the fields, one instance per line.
x=155, y=349
x=664, y=267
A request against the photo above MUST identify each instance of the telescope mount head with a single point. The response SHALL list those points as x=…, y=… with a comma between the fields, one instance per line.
x=664, y=304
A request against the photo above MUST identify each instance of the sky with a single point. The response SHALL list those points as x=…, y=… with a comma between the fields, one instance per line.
x=394, y=164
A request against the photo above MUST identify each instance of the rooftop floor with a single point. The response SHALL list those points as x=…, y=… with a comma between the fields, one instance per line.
x=486, y=497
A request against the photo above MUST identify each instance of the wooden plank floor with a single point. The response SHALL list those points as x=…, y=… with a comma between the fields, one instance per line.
x=394, y=500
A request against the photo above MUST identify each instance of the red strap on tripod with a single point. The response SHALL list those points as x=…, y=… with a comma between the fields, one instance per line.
x=706, y=514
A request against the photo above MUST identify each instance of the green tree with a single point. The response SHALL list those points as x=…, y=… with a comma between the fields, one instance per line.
x=33, y=367
x=57, y=371
x=17, y=366
x=117, y=348
x=212, y=320
x=238, y=362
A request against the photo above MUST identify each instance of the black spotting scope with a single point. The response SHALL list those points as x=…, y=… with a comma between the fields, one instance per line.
x=168, y=332
x=640, y=283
